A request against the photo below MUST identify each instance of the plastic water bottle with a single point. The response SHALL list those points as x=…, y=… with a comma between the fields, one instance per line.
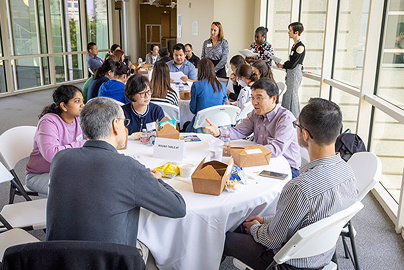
x=225, y=135
x=140, y=61
x=151, y=136
x=144, y=139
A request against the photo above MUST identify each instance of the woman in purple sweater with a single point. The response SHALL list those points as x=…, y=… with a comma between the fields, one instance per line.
x=58, y=128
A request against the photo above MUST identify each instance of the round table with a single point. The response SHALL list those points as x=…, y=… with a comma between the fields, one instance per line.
x=197, y=240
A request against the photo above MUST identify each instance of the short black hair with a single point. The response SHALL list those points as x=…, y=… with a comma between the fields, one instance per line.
x=269, y=86
x=297, y=27
x=135, y=84
x=323, y=119
x=113, y=47
x=152, y=46
x=163, y=52
x=90, y=46
x=237, y=60
x=262, y=30
x=178, y=47
x=188, y=44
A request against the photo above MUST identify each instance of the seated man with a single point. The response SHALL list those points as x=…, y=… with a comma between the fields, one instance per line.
x=180, y=63
x=164, y=55
x=191, y=57
x=95, y=193
x=270, y=122
x=325, y=186
x=93, y=61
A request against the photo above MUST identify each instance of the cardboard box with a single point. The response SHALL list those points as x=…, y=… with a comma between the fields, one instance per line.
x=211, y=177
x=167, y=131
x=227, y=148
x=252, y=155
x=185, y=95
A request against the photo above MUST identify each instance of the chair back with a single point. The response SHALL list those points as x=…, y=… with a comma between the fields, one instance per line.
x=5, y=175
x=248, y=107
x=16, y=143
x=14, y=237
x=318, y=237
x=65, y=255
x=282, y=88
x=221, y=115
x=367, y=168
x=170, y=111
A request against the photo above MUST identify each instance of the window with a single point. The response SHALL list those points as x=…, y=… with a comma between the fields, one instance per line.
x=31, y=72
x=97, y=23
x=350, y=44
x=2, y=77
x=391, y=69
x=349, y=108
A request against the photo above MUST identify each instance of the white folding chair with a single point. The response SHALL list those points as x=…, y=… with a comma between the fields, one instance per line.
x=367, y=168
x=171, y=111
x=248, y=107
x=315, y=239
x=14, y=237
x=29, y=215
x=221, y=115
x=282, y=89
x=15, y=144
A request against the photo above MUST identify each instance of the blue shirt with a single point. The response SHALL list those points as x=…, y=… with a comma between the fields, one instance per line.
x=187, y=68
x=138, y=121
x=113, y=89
x=94, y=62
x=202, y=96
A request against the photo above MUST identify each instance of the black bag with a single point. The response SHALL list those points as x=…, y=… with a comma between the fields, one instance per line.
x=349, y=143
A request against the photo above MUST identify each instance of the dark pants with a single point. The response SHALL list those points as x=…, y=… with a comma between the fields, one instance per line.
x=221, y=72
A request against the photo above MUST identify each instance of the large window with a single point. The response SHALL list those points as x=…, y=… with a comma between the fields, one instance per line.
x=349, y=108
x=391, y=69
x=31, y=72
x=97, y=24
x=350, y=45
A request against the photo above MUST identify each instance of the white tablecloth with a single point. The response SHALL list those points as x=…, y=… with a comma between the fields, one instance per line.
x=197, y=240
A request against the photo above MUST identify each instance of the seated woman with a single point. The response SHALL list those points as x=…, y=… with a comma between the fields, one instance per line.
x=235, y=62
x=207, y=91
x=114, y=88
x=262, y=69
x=102, y=74
x=153, y=56
x=246, y=78
x=58, y=128
x=140, y=111
x=160, y=84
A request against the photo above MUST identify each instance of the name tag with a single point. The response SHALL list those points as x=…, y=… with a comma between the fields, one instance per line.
x=151, y=126
x=79, y=138
x=209, y=45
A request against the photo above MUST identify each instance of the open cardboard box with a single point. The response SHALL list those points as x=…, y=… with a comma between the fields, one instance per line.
x=211, y=177
x=185, y=95
x=252, y=155
x=167, y=131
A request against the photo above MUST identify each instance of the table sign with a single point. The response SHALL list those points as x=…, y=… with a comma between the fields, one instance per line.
x=164, y=148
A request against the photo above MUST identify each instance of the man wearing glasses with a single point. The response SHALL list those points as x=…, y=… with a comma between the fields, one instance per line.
x=325, y=186
x=270, y=122
x=95, y=193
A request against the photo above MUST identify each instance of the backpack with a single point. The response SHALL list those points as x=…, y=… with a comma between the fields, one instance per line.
x=348, y=143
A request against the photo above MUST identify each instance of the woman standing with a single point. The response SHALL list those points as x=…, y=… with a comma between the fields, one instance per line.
x=207, y=91
x=216, y=48
x=294, y=68
x=261, y=46
x=58, y=128
x=160, y=84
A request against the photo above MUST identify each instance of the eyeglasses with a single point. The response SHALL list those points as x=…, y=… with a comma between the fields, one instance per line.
x=258, y=99
x=296, y=125
x=126, y=122
x=148, y=92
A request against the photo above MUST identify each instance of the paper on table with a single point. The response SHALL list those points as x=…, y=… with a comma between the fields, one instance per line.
x=176, y=76
x=275, y=58
x=248, y=53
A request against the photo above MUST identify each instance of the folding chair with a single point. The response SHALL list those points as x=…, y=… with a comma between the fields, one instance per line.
x=248, y=107
x=15, y=144
x=315, y=239
x=171, y=111
x=282, y=89
x=29, y=215
x=221, y=115
x=14, y=237
x=367, y=168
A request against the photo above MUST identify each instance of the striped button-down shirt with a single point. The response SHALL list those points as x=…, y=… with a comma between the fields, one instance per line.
x=218, y=52
x=324, y=187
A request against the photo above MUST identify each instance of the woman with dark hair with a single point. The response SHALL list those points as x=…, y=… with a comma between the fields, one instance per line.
x=114, y=88
x=102, y=74
x=207, y=91
x=293, y=69
x=235, y=62
x=140, y=111
x=246, y=77
x=262, y=69
x=261, y=46
x=153, y=56
x=160, y=84
x=216, y=48
x=58, y=128
x=113, y=48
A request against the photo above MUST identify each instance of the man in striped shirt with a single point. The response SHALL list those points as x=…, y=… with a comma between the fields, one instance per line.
x=325, y=186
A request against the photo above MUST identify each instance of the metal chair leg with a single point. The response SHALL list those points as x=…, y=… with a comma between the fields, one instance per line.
x=354, y=256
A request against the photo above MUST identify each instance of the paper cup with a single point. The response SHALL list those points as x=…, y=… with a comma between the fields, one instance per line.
x=186, y=170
